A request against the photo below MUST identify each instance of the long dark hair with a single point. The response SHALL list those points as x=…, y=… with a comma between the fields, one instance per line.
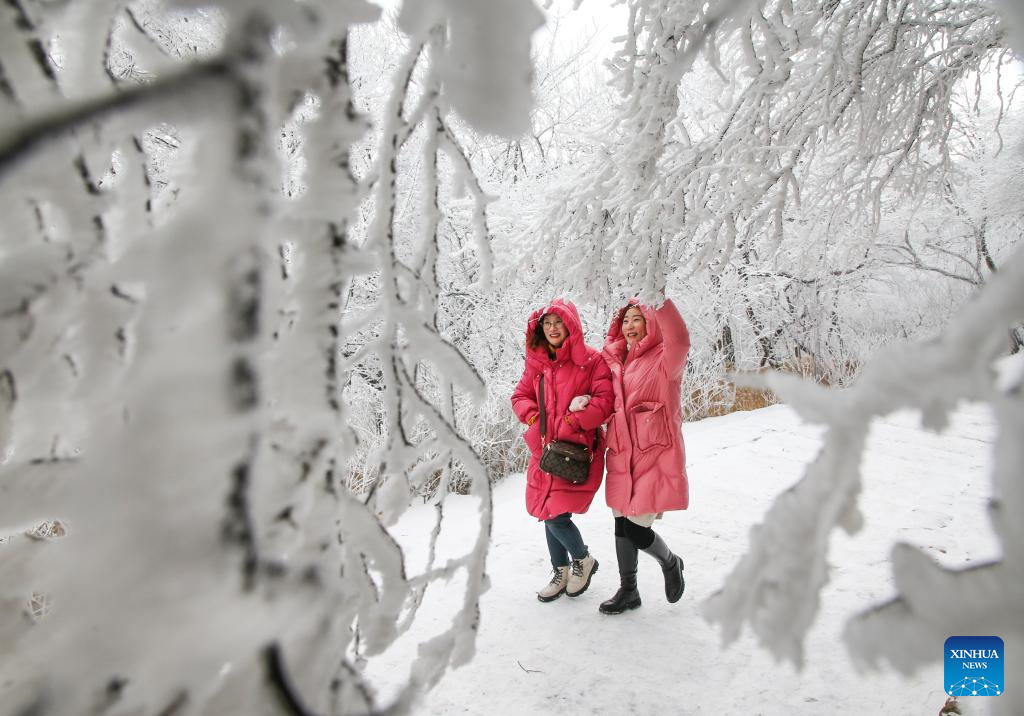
x=536, y=339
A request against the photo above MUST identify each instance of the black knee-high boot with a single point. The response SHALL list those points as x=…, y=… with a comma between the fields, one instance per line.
x=627, y=597
x=671, y=566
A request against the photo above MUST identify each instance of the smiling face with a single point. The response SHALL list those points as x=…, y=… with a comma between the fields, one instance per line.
x=554, y=330
x=634, y=327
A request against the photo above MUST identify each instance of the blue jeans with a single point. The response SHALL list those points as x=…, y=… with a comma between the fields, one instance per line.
x=564, y=539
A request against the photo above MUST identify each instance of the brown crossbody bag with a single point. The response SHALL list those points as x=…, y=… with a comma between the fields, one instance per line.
x=567, y=460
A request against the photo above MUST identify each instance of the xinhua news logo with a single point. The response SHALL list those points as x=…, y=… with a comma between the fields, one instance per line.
x=974, y=666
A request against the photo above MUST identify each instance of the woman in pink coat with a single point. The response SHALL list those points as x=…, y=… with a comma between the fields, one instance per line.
x=646, y=352
x=577, y=401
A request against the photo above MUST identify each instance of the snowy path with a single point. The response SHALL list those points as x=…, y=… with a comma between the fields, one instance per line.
x=566, y=658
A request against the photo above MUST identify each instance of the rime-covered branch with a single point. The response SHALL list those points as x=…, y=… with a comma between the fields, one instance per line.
x=775, y=587
x=865, y=114
x=172, y=327
x=19, y=141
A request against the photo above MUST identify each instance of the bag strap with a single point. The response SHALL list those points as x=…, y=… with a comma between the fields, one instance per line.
x=543, y=418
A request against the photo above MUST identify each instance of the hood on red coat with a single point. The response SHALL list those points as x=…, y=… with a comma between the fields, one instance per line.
x=574, y=348
x=615, y=342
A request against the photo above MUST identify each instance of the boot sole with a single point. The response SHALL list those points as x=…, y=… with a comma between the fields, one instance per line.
x=628, y=606
x=545, y=600
x=587, y=585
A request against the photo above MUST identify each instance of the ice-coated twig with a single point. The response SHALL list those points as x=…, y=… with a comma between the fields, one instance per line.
x=826, y=142
x=210, y=394
x=775, y=587
x=19, y=141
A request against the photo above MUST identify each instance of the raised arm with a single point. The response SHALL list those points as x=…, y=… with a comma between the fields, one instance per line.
x=524, y=399
x=675, y=337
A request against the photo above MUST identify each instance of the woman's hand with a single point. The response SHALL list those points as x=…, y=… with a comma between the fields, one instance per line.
x=579, y=403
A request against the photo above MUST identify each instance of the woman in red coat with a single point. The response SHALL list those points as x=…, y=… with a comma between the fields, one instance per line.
x=577, y=401
x=646, y=352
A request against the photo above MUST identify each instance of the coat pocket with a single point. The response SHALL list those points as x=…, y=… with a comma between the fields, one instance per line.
x=650, y=425
x=612, y=436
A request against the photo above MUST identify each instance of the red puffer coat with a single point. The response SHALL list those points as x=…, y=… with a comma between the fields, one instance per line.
x=646, y=456
x=576, y=370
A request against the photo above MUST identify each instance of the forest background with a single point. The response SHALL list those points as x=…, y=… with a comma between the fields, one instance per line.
x=265, y=268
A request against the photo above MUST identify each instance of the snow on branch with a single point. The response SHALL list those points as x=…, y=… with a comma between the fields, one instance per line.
x=485, y=64
x=792, y=115
x=422, y=371
x=775, y=586
x=173, y=335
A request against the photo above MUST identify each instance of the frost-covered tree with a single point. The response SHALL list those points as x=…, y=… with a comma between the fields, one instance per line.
x=819, y=110
x=245, y=313
x=184, y=225
x=964, y=230
x=484, y=322
x=759, y=149
x=850, y=112
x=763, y=142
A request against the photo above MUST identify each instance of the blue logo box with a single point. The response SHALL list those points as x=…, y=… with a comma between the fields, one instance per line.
x=974, y=666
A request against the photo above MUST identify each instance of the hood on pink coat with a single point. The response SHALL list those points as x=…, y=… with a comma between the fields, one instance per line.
x=615, y=342
x=573, y=348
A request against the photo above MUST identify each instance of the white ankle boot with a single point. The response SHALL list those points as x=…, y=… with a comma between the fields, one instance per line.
x=556, y=586
x=580, y=572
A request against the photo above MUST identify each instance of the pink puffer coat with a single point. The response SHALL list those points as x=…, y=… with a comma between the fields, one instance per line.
x=646, y=457
x=576, y=370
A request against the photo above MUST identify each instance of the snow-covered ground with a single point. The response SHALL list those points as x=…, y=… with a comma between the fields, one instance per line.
x=567, y=658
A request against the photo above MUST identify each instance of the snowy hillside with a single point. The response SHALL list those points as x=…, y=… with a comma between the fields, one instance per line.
x=566, y=658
